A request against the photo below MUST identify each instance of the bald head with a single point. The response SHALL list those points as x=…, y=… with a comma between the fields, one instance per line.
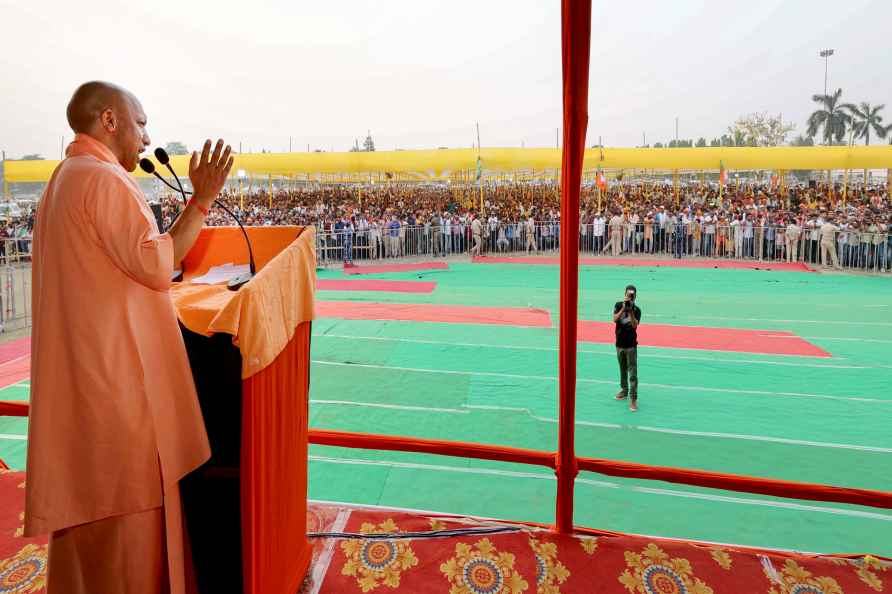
x=113, y=116
x=90, y=100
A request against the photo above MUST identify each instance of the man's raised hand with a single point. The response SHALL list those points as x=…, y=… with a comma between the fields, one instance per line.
x=208, y=172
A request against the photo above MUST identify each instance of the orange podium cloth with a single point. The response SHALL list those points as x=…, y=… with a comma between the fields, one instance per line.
x=262, y=315
x=274, y=479
x=269, y=320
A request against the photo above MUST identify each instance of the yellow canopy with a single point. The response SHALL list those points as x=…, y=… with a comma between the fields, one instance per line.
x=443, y=162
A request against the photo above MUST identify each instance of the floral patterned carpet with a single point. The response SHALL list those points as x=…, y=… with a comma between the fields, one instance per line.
x=384, y=551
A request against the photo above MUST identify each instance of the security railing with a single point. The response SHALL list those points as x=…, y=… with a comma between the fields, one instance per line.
x=15, y=283
x=855, y=250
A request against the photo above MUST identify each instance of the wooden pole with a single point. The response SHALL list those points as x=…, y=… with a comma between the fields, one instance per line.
x=270, y=190
x=675, y=184
x=845, y=186
x=241, y=196
x=5, y=181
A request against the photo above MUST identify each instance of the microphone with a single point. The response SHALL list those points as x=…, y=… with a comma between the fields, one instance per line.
x=237, y=282
x=149, y=167
x=162, y=157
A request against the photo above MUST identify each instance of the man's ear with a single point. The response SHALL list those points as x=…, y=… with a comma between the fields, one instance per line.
x=108, y=120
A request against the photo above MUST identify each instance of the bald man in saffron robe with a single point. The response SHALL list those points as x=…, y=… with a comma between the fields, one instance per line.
x=115, y=421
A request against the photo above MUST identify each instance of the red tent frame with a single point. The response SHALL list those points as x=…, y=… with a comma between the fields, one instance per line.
x=575, y=51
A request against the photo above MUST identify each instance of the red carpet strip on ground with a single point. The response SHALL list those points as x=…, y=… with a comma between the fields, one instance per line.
x=739, y=340
x=385, y=268
x=683, y=263
x=423, y=312
x=392, y=286
x=15, y=349
x=15, y=371
x=15, y=361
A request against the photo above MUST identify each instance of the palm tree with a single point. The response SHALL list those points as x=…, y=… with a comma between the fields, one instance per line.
x=865, y=117
x=833, y=117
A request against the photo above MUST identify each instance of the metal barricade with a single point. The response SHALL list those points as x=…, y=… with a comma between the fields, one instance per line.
x=15, y=294
x=855, y=251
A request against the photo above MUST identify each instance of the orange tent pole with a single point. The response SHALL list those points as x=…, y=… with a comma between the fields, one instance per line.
x=576, y=24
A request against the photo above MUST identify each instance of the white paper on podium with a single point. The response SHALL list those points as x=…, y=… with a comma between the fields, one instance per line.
x=221, y=274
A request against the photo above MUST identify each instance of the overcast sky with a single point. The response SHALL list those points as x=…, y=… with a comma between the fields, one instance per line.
x=420, y=73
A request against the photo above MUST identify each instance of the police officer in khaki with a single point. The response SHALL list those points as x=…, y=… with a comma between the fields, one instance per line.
x=794, y=231
x=828, y=242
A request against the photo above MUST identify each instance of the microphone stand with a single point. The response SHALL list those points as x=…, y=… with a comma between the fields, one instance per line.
x=237, y=282
x=177, y=275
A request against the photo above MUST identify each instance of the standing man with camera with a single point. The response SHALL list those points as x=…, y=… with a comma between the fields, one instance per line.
x=626, y=317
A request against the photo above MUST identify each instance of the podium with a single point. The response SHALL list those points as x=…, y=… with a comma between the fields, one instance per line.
x=245, y=509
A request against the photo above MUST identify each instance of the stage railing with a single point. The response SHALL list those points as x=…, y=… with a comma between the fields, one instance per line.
x=616, y=468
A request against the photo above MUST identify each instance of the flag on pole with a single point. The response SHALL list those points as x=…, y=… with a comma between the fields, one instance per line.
x=479, y=168
x=601, y=179
x=723, y=173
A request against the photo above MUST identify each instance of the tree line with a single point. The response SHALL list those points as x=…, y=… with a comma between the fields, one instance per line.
x=834, y=123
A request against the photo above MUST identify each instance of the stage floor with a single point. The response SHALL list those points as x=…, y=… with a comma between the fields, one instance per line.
x=361, y=549
x=486, y=371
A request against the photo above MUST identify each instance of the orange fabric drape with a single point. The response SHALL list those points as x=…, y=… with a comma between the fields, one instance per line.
x=262, y=315
x=275, y=549
x=221, y=245
x=576, y=24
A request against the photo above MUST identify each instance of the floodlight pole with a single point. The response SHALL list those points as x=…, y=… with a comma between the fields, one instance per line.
x=826, y=55
x=480, y=179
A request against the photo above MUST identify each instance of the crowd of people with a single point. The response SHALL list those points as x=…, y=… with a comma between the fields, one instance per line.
x=822, y=224
x=15, y=237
